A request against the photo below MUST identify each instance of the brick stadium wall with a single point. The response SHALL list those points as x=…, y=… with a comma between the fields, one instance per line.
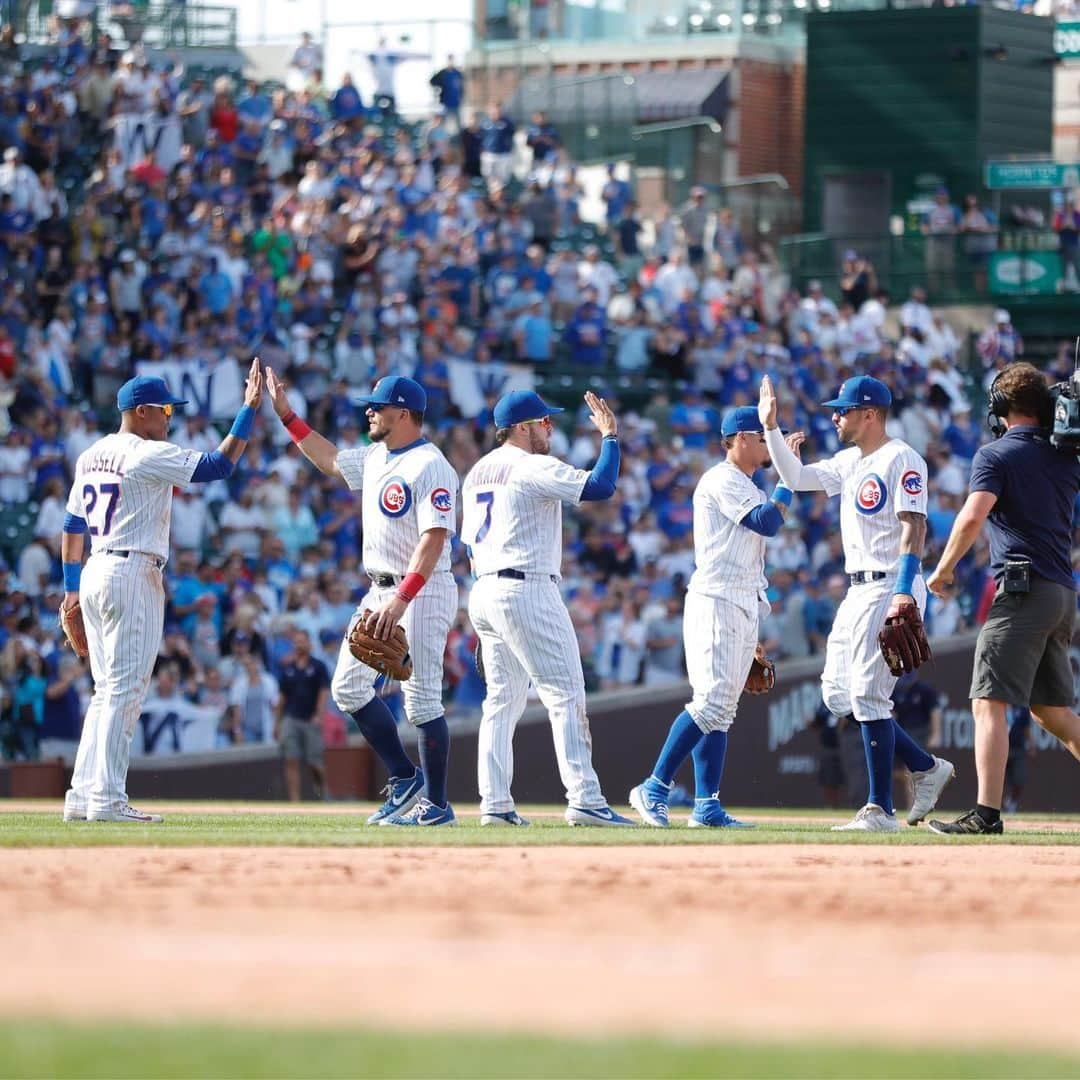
x=771, y=103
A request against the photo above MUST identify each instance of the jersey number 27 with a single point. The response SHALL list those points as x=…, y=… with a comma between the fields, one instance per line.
x=90, y=495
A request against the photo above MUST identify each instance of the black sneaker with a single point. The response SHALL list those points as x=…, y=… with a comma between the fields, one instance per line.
x=968, y=824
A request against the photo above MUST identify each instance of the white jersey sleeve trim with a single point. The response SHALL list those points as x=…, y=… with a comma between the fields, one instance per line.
x=351, y=465
x=793, y=472
x=553, y=479
x=166, y=461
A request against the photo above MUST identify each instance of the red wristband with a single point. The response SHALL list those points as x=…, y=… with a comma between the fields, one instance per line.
x=298, y=430
x=410, y=585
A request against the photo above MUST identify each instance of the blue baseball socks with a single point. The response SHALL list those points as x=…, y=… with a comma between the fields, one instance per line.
x=682, y=738
x=709, y=764
x=910, y=752
x=376, y=724
x=434, y=739
x=879, y=741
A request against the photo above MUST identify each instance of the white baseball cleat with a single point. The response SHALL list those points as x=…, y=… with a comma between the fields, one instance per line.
x=73, y=811
x=510, y=817
x=602, y=815
x=928, y=787
x=871, y=818
x=127, y=812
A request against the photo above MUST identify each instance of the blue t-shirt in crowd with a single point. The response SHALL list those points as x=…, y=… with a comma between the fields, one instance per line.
x=346, y=104
x=497, y=135
x=451, y=86
x=585, y=335
x=300, y=686
x=1036, y=488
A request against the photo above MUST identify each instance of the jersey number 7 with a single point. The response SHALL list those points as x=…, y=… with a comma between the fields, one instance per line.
x=487, y=500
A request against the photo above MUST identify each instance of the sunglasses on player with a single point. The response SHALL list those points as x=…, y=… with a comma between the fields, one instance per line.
x=545, y=420
x=843, y=410
x=166, y=409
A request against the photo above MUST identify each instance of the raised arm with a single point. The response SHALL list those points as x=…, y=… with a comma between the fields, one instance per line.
x=601, y=482
x=793, y=472
x=322, y=453
x=219, y=463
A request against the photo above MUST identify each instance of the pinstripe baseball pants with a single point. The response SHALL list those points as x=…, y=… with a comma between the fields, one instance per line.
x=526, y=635
x=719, y=637
x=856, y=678
x=123, y=606
x=426, y=622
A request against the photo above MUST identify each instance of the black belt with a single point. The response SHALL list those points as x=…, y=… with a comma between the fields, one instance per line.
x=863, y=576
x=386, y=581
x=158, y=561
x=519, y=575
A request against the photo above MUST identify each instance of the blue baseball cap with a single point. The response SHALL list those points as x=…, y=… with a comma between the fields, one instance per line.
x=145, y=390
x=398, y=390
x=859, y=392
x=744, y=418
x=521, y=405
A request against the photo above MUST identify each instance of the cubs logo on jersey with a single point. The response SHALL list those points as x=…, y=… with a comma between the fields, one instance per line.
x=912, y=482
x=871, y=494
x=395, y=498
x=442, y=500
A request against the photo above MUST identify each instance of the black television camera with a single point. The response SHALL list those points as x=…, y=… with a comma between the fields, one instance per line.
x=1065, y=425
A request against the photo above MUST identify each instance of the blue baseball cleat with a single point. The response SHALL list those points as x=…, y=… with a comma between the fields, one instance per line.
x=709, y=814
x=603, y=816
x=425, y=812
x=401, y=796
x=650, y=800
x=511, y=817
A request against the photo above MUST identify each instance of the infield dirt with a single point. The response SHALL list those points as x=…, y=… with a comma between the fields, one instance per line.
x=865, y=943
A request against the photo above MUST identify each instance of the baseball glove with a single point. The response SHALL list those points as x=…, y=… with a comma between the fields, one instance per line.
x=903, y=640
x=71, y=622
x=762, y=675
x=390, y=657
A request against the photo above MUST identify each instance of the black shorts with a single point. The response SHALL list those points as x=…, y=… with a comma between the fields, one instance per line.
x=1022, y=655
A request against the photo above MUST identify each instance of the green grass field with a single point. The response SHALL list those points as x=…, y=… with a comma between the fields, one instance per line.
x=39, y=1049
x=190, y=827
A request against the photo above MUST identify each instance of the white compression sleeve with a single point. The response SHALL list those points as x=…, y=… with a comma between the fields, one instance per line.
x=793, y=473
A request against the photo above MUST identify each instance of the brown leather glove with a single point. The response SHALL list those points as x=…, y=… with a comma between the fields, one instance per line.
x=762, y=675
x=390, y=657
x=71, y=622
x=903, y=640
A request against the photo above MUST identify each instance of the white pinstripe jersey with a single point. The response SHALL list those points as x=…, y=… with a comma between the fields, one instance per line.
x=729, y=557
x=123, y=489
x=404, y=493
x=512, y=510
x=873, y=490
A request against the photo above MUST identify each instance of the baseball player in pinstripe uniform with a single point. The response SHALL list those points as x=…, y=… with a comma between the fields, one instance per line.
x=408, y=497
x=881, y=482
x=512, y=524
x=724, y=601
x=122, y=498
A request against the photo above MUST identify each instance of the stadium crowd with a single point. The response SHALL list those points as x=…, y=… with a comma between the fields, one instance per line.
x=153, y=222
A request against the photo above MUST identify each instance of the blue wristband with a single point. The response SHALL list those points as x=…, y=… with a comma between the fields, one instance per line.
x=782, y=495
x=909, y=569
x=241, y=427
x=72, y=576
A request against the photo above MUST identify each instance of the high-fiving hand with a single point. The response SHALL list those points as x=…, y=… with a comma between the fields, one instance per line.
x=254, y=385
x=767, y=404
x=276, y=389
x=601, y=415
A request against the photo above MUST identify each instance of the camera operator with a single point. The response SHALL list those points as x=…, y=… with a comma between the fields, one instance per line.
x=1026, y=490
